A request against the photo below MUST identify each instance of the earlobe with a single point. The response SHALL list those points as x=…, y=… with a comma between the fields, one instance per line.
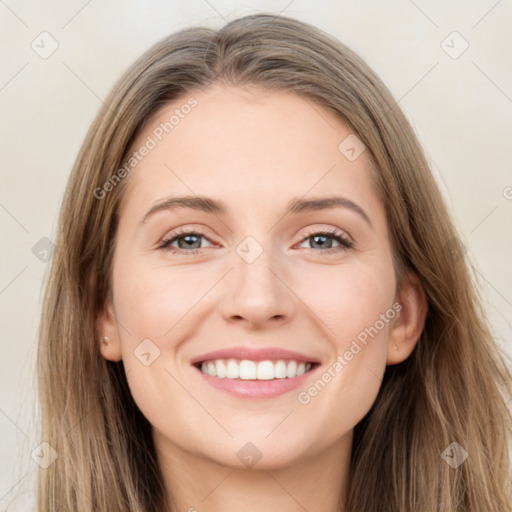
x=108, y=333
x=408, y=325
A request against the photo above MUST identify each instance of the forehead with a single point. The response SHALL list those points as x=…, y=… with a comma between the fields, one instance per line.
x=246, y=145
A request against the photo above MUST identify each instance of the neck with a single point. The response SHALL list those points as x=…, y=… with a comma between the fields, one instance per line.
x=195, y=483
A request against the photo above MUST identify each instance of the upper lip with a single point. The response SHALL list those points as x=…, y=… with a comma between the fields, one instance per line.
x=254, y=354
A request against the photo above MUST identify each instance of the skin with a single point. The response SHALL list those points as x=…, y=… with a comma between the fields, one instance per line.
x=255, y=150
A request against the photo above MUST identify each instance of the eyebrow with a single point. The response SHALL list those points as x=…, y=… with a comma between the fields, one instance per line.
x=218, y=207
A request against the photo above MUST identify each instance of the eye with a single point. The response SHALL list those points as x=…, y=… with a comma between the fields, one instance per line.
x=321, y=240
x=191, y=242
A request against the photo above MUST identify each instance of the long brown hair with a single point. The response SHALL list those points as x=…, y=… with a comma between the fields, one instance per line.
x=452, y=389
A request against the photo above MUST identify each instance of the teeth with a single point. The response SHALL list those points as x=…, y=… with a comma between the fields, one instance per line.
x=212, y=369
x=232, y=372
x=247, y=369
x=280, y=370
x=265, y=370
x=254, y=370
x=291, y=369
x=221, y=369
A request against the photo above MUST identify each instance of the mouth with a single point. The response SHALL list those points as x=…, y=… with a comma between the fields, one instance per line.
x=255, y=373
x=246, y=369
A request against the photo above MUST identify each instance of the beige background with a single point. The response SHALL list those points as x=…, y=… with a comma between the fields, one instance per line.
x=461, y=109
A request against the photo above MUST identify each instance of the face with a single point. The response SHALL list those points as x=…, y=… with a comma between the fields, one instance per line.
x=290, y=310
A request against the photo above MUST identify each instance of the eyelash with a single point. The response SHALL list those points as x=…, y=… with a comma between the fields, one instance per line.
x=343, y=240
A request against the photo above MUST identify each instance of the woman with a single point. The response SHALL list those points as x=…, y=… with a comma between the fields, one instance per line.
x=322, y=347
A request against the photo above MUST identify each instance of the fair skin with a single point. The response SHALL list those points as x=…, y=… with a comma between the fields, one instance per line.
x=255, y=150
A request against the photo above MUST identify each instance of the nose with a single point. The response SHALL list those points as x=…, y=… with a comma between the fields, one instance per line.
x=257, y=293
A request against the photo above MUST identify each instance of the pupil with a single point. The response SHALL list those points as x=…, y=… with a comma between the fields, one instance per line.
x=320, y=236
x=187, y=240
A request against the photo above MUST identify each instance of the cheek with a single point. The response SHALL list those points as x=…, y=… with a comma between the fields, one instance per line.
x=348, y=300
x=151, y=300
x=355, y=306
x=346, y=388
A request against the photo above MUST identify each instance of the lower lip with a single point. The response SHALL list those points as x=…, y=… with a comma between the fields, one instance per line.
x=256, y=388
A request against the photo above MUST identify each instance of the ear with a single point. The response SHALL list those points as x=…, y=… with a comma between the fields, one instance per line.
x=107, y=327
x=408, y=326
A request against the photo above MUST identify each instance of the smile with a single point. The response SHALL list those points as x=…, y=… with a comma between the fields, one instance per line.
x=246, y=369
x=250, y=372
